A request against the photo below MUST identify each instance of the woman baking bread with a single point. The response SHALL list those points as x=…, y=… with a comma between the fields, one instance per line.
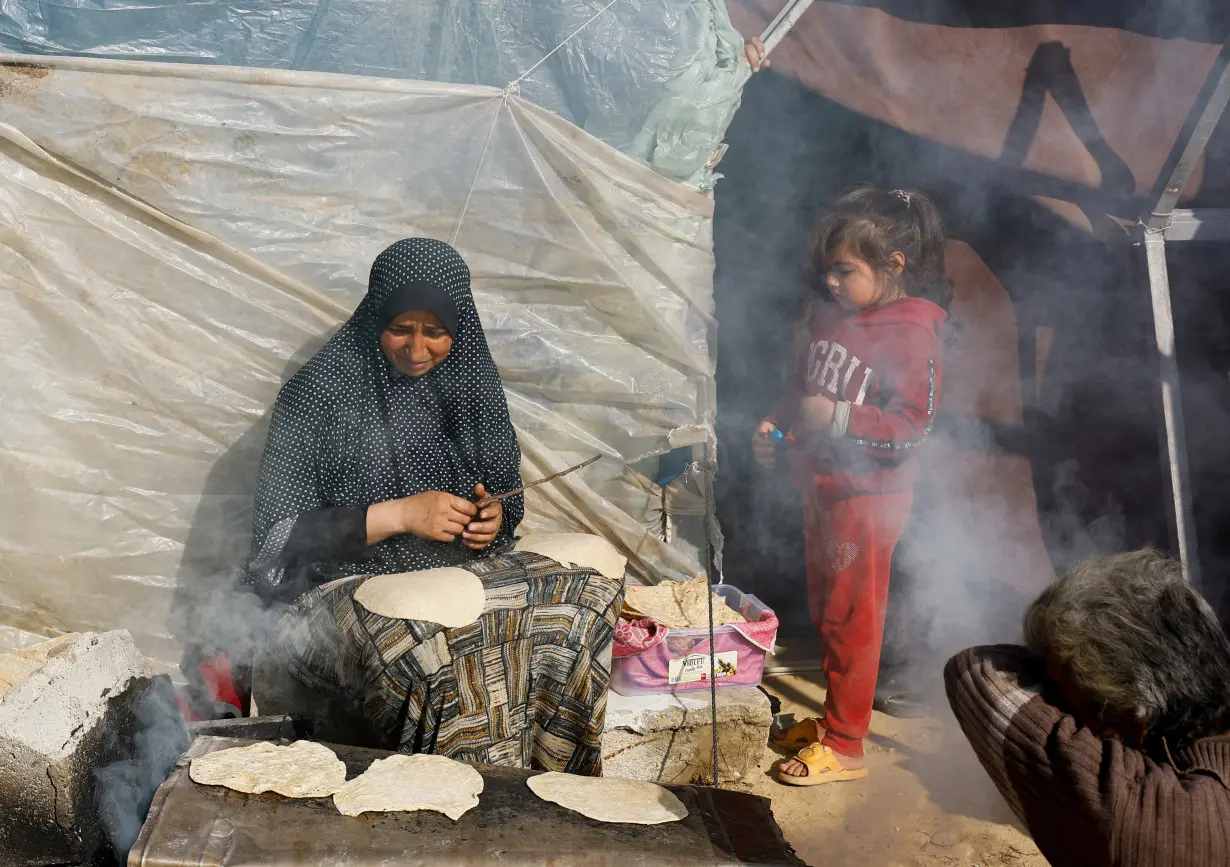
x=381, y=444
x=379, y=449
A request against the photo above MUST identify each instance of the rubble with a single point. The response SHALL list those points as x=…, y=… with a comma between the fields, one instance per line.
x=69, y=709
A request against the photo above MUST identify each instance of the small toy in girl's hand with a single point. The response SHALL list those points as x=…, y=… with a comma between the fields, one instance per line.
x=770, y=442
x=781, y=441
x=765, y=444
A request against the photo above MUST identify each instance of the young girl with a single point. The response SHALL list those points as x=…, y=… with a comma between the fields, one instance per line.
x=862, y=401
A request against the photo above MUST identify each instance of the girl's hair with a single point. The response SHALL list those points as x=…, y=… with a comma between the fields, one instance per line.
x=876, y=223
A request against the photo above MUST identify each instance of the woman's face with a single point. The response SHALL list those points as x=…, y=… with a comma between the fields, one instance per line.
x=855, y=284
x=416, y=341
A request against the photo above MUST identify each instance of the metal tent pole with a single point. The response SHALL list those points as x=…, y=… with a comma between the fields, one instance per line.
x=1172, y=405
x=1202, y=224
x=777, y=30
x=783, y=23
x=1206, y=113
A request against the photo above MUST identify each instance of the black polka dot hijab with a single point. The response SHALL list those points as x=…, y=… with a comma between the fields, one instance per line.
x=350, y=429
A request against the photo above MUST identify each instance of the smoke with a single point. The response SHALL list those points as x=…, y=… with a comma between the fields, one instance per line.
x=152, y=740
x=223, y=618
x=1076, y=539
x=210, y=614
x=977, y=552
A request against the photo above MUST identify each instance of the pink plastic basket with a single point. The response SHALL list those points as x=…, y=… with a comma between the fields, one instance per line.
x=685, y=655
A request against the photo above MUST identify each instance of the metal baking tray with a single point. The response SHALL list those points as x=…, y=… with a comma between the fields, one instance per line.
x=209, y=826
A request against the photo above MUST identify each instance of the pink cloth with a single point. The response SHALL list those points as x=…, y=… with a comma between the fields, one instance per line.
x=635, y=636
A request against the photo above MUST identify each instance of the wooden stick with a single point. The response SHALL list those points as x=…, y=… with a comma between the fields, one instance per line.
x=495, y=498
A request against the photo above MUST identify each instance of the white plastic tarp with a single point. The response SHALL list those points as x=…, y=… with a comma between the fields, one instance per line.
x=175, y=240
x=656, y=79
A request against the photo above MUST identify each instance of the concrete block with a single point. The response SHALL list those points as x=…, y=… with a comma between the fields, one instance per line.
x=78, y=711
x=668, y=738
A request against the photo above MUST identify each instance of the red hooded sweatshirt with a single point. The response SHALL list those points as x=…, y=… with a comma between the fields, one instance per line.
x=882, y=366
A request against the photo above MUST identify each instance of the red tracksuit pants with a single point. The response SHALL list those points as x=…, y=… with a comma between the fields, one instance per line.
x=850, y=544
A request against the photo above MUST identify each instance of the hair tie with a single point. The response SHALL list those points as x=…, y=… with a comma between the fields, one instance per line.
x=903, y=195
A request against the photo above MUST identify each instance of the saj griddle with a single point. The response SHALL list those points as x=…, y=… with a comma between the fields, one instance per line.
x=207, y=826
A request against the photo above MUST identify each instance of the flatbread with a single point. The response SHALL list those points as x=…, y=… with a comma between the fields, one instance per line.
x=577, y=549
x=302, y=770
x=631, y=802
x=449, y=596
x=407, y=783
x=680, y=604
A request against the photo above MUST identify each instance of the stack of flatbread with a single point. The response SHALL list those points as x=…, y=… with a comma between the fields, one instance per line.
x=678, y=604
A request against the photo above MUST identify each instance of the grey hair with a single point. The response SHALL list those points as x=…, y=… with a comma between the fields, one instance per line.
x=1140, y=643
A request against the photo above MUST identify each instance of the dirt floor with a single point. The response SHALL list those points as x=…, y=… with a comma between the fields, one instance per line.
x=926, y=802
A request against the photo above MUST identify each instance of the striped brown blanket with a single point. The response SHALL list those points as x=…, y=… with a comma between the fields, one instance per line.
x=524, y=686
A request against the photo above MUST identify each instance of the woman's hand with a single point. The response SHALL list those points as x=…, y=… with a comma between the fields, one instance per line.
x=753, y=51
x=482, y=532
x=762, y=446
x=432, y=515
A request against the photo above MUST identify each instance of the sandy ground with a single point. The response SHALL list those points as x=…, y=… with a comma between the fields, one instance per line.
x=926, y=802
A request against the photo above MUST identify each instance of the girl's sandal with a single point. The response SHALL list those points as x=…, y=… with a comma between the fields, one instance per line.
x=822, y=767
x=798, y=736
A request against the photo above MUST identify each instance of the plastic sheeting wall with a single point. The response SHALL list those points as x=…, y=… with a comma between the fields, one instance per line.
x=657, y=79
x=175, y=240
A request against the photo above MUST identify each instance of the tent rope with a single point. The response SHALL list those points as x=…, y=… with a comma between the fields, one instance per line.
x=509, y=91
x=465, y=206
x=567, y=39
x=710, y=568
